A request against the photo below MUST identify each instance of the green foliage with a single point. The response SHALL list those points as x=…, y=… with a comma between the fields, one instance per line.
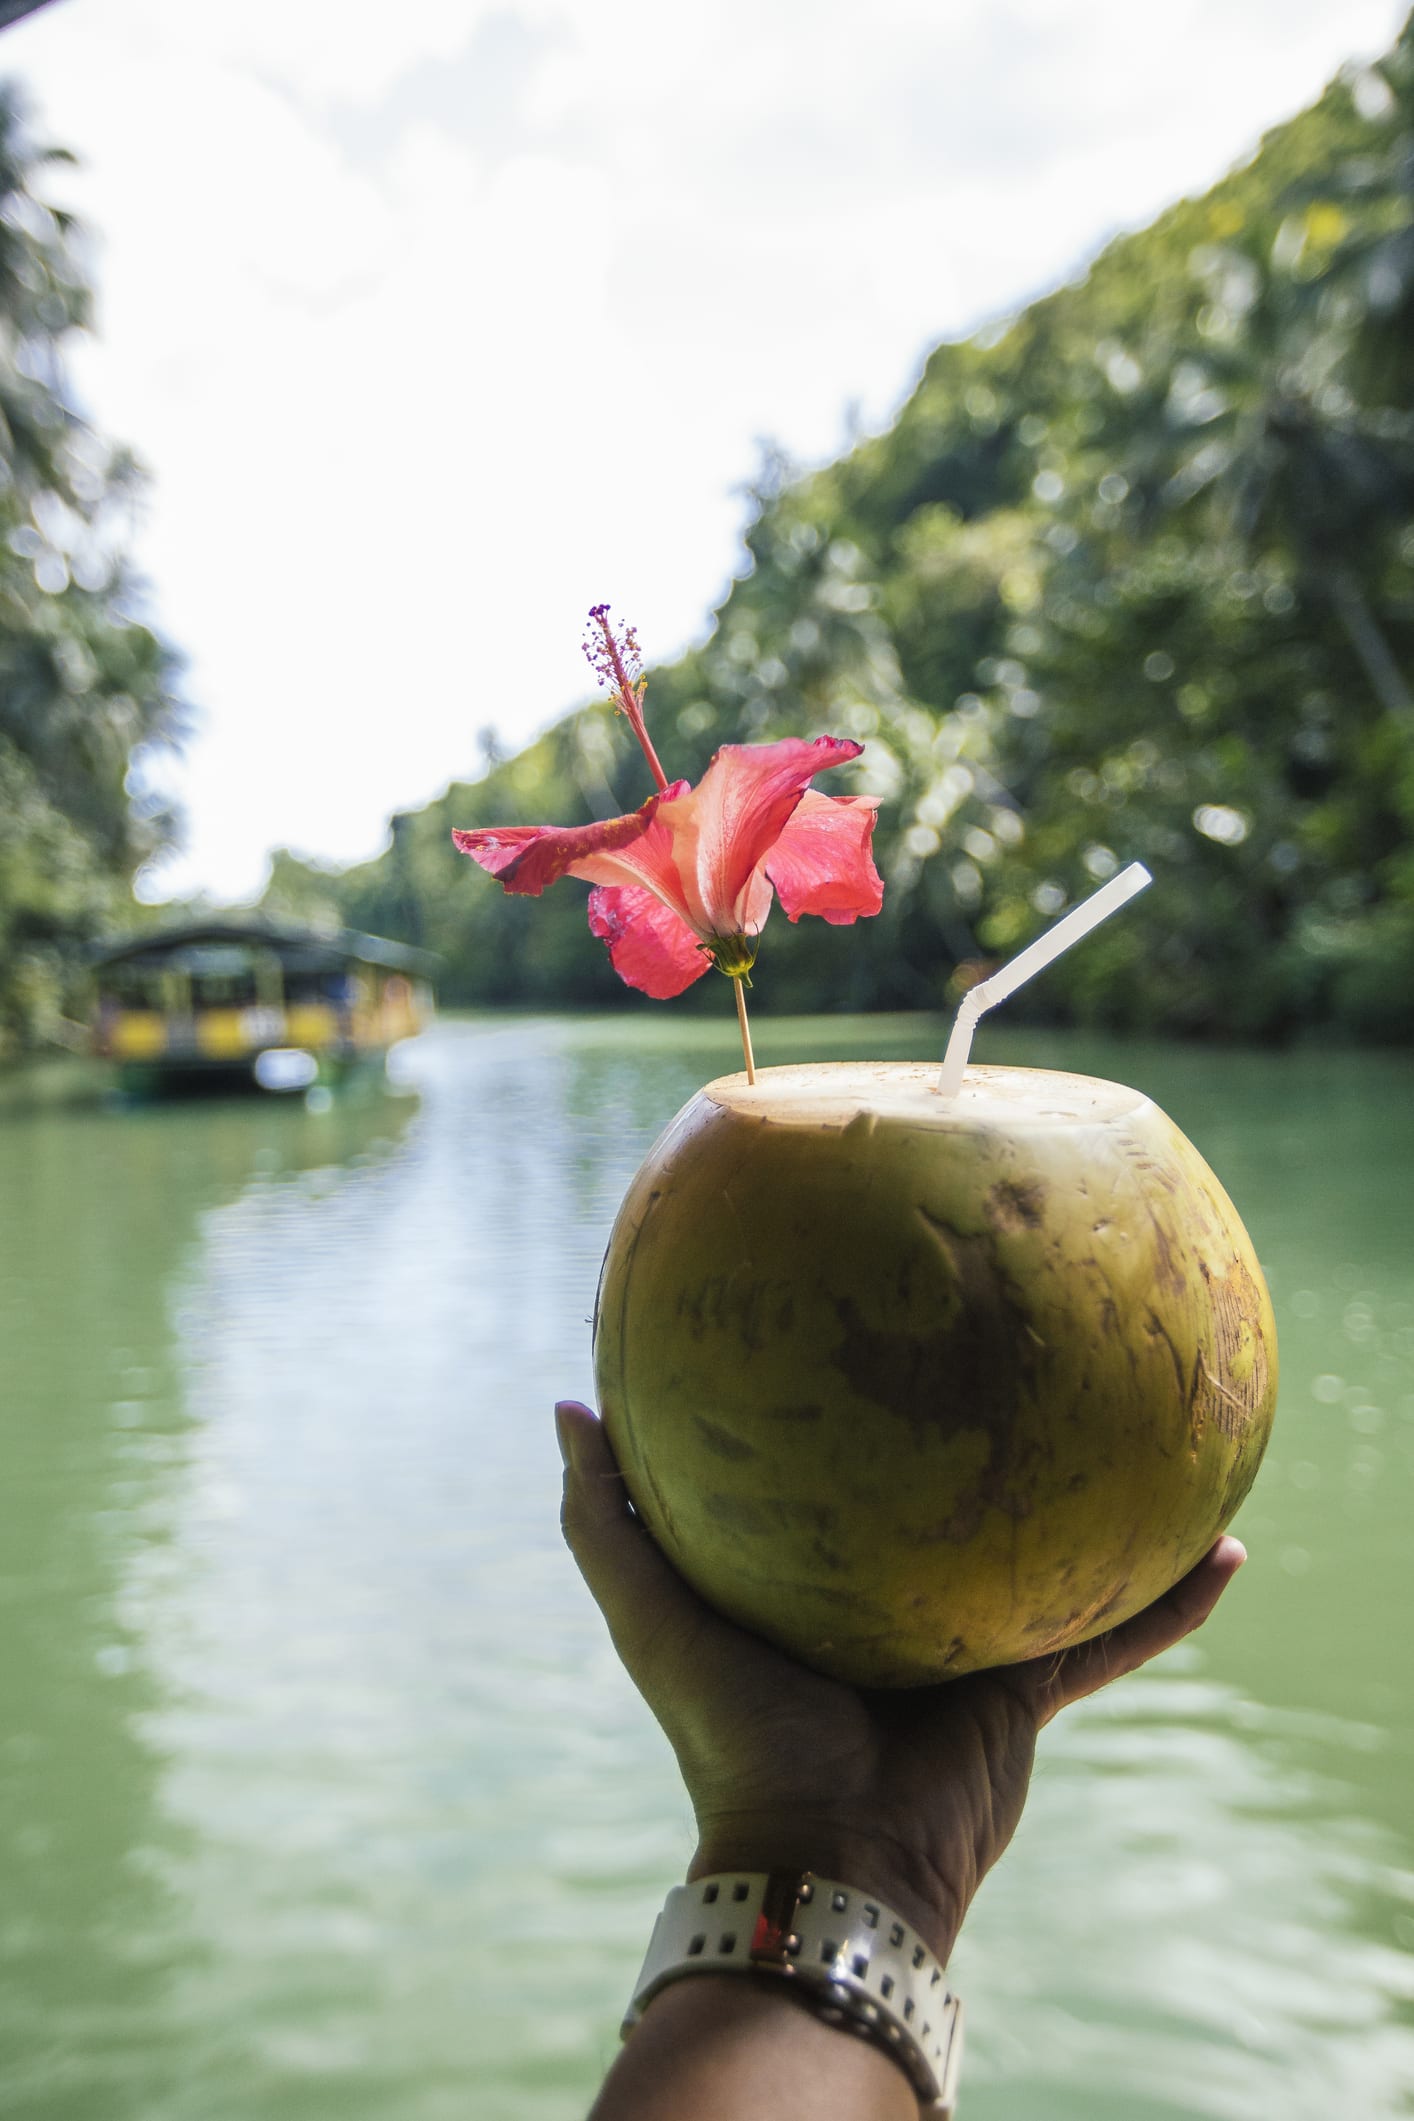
x=85, y=689
x=1130, y=577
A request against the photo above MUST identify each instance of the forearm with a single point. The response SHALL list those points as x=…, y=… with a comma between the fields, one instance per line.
x=726, y=2047
x=712, y=2043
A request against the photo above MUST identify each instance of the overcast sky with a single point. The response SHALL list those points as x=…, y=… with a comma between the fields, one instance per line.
x=437, y=321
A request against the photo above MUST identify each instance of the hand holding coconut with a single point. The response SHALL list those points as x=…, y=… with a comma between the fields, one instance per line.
x=909, y=1794
x=904, y=1381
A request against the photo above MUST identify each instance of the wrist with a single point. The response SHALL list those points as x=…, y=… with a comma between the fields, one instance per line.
x=872, y=1863
x=720, y=2045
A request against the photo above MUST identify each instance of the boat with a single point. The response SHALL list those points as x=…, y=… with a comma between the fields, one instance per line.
x=222, y=1003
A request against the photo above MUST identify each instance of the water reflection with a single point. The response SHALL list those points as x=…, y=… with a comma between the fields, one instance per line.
x=99, y=1212
x=319, y=1775
x=1217, y=1921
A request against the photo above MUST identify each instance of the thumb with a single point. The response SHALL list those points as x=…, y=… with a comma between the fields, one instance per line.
x=652, y=1614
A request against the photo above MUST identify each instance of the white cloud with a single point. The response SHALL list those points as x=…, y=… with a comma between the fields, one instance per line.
x=435, y=324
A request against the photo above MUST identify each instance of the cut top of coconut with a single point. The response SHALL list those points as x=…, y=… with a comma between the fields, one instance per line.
x=834, y=1094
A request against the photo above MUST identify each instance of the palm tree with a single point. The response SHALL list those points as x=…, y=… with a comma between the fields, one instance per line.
x=1267, y=435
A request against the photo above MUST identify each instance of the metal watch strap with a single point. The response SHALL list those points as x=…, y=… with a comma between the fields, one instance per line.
x=856, y=1963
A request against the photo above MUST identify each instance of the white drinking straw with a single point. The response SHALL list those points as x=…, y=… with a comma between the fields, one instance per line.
x=988, y=992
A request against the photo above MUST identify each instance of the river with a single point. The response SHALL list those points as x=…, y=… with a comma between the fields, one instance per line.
x=322, y=1796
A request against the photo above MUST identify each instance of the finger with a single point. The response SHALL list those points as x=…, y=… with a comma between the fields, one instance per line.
x=1091, y=1665
x=647, y=1605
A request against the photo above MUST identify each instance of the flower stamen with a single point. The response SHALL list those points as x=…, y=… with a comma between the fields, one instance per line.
x=618, y=666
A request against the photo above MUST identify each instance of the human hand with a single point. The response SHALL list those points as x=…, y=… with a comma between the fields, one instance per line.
x=910, y=1794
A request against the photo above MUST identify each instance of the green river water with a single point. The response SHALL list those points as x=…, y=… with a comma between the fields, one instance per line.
x=322, y=1796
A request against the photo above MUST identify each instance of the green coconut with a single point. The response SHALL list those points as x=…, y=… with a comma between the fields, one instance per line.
x=913, y=1386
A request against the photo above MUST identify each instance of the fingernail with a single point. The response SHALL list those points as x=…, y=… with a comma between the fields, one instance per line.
x=564, y=1432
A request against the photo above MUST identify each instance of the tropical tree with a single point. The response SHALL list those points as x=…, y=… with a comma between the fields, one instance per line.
x=87, y=691
x=1130, y=576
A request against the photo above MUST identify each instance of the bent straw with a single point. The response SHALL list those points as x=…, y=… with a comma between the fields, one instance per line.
x=988, y=992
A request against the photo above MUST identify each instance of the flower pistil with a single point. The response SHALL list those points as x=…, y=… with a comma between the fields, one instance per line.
x=615, y=660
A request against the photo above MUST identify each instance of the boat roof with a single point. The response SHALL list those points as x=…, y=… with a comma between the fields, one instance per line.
x=308, y=948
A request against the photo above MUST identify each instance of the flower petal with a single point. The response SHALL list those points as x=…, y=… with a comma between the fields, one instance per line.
x=499, y=847
x=821, y=863
x=525, y=858
x=651, y=947
x=723, y=828
x=651, y=859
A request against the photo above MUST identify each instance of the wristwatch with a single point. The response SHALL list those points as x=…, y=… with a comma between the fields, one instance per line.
x=852, y=1959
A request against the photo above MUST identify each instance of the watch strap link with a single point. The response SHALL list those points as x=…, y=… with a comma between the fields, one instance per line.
x=852, y=1959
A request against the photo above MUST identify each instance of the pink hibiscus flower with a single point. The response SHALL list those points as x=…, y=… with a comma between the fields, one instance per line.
x=687, y=881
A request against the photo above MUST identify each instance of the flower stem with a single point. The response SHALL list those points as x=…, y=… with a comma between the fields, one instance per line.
x=745, y=1030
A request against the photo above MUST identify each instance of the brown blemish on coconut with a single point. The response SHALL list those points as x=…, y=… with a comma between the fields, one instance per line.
x=759, y=1517
x=1013, y=1206
x=846, y=1604
x=1168, y=1271
x=963, y=1380
x=721, y=1442
x=963, y=1374
x=1230, y=1380
x=755, y=1310
x=1157, y=1330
